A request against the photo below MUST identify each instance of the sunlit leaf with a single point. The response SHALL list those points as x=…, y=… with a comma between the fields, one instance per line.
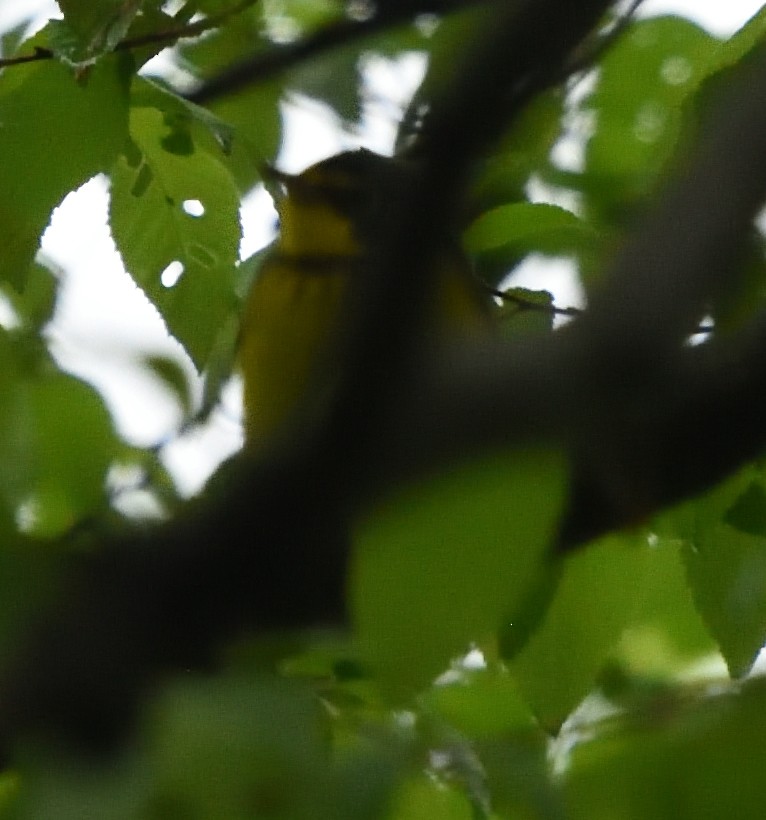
x=175, y=219
x=88, y=121
x=91, y=27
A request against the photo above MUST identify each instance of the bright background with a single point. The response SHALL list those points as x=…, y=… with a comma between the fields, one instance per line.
x=104, y=327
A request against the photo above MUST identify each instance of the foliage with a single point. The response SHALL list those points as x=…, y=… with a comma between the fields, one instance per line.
x=481, y=676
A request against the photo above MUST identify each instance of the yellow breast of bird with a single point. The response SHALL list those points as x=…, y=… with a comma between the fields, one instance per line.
x=291, y=323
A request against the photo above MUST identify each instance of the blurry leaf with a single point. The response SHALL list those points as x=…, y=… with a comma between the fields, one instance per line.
x=746, y=295
x=666, y=632
x=253, y=112
x=237, y=747
x=727, y=571
x=151, y=21
x=481, y=704
x=35, y=305
x=527, y=226
x=518, y=778
x=256, y=117
x=309, y=14
x=423, y=799
x=440, y=564
x=523, y=151
x=57, y=441
x=596, y=599
x=221, y=364
x=748, y=513
x=173, y=376
x=175, y=219
x=88, y=122
x=741, y=43
x=526, y=310
x=11, y=39
x=453, y=34
x=702, y=763
x=70, y=788
x=637, y=111
x=63, y=441
x=333, y=78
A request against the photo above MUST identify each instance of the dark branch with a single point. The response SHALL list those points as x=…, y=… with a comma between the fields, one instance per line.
x=264, y=552
x=262, y=66
x=648, y=420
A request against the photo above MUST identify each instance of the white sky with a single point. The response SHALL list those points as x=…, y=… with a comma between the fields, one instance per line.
x=104, y=324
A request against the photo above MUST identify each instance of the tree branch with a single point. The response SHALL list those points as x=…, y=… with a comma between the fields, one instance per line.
x=641, y=413
x=262, y=66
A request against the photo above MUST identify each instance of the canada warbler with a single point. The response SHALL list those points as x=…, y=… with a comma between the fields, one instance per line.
x=291, y=317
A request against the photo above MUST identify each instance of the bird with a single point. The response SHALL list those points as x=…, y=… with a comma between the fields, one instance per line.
x=292, y=317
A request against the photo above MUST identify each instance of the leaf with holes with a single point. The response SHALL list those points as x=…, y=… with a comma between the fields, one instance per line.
x=175, y=219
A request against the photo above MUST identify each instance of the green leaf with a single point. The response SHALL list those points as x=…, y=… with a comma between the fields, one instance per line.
x=235, y=747
x=727, y=570
x=440, y=564
x=91, y=28
x=481, y=704
x=526, y=226
x=71, y=788
x=35, y=305
x=253, y=112
x=748, y=513
x=637, y=110
x=423, y=799
x=666, y=632
x=42, y=105
x=524, y=151
x=64, y=437
x=174, y=378
x=739, y=45
x=698, y=763
x=333, y=77
x=175, y=220
x=146, y=93
x=526, y=310
x=596, y=599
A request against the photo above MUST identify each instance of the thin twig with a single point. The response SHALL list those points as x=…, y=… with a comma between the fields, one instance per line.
x=168, y=35
x=529, y=304
x=554, y=310
x=261, y=66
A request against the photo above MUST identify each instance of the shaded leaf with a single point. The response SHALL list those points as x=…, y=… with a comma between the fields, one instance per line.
x=748, y=513
x=526, y=226
x=481, y=704
x=440, y=564
x=699, y=763
x=595, y=601
x=726, y=567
